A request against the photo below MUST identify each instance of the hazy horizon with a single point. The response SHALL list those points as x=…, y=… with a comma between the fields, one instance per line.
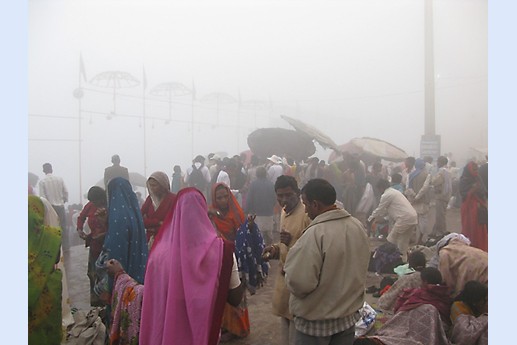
x=349, y=68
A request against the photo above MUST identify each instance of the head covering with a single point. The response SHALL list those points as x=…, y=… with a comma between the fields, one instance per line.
x=163, y=181
x=231, y=222
x=275, y=159
x=442, y=243
x=468, y=178
x=187, y=277
x=419, y=167
x=126, y=240
x=44, y=282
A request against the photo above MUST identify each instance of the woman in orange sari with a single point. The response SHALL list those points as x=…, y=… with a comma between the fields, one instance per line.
x=227, y=217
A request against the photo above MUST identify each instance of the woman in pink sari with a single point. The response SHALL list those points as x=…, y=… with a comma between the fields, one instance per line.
x=188, y=280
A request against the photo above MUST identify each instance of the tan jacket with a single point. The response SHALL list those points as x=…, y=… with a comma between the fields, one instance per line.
x=294, y=223
x=325, y=270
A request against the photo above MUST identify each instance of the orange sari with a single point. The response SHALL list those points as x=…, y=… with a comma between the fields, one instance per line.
x=228, y=224
x=235, y=319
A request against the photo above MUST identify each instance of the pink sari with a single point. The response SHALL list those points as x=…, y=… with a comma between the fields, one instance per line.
x=187, y=277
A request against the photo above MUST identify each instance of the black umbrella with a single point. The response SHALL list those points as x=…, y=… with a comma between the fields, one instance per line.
x=324, y=140
x=265, y=142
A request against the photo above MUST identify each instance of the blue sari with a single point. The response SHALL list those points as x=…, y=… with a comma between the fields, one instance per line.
x=125, y=240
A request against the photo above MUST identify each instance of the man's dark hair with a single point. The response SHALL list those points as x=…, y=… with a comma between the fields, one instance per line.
x=416, y=260
x=473, y=292
x=410, y=160
x=115, y=159
x=320, y=190
x=261, y=172
x=199, y=159
x=396, y=178
x=97, y=195
x=431, y=275
x=382, y=184
x=47, y=168
x=442, y=161
x=286, y=181
x=428, y=159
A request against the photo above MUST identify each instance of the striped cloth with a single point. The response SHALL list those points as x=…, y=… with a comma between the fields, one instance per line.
x=54, y=190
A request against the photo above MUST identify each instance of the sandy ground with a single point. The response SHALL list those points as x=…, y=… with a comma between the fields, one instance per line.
x=264, y=326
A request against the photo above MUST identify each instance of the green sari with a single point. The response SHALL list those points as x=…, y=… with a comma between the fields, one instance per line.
x=44, y=279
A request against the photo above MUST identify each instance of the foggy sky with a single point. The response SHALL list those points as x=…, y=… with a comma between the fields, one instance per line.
x=350, y=68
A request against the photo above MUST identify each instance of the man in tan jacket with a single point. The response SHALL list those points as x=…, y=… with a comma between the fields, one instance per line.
x=293, y=220
x=325, y=270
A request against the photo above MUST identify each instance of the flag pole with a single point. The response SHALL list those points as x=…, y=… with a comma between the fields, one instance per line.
x=82, y=73
x=143, y=115
x=192, y=119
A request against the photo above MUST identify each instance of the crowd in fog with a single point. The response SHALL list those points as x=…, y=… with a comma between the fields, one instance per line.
x=178, y=264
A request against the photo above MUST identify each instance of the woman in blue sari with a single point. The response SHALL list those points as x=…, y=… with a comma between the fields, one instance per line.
x=125, y=240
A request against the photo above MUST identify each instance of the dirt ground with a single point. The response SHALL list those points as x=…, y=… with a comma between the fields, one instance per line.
x=265, y=328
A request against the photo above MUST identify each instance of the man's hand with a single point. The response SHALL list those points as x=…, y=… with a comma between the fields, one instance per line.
x=269, y=253
x=285, y=237
x=81, y=233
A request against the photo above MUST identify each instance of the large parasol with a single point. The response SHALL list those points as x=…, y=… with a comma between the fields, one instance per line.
x=324, y=140
x=218, y=99
x=371, y=149
x=114, y=80
x=265, y=142
x=170, y=90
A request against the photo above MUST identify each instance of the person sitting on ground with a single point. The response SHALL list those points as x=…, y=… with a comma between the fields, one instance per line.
x=458, y=262
x=422, y=315
x=409, y=281
x=469, y=315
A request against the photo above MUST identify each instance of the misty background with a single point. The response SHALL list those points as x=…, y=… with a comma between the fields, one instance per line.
x=349, y=68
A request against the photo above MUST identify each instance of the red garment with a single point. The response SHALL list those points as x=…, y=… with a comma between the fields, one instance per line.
x=97, y=227
x=228, y=224
x=474, y=196
x=470, y=227
x=436, y=295
x=152, y=217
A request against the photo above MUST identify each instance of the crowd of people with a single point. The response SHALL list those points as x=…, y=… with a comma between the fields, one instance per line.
x=180, y=266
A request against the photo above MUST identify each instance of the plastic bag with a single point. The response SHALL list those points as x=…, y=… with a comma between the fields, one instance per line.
x=365, y=323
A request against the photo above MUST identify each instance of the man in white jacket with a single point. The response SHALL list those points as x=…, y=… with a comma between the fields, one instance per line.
x=325, y=270
x=400, y=212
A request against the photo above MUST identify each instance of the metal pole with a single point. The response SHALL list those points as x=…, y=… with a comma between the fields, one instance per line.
x=145, y=138
x=79, y=129
x=192, y=125
x=429, y=128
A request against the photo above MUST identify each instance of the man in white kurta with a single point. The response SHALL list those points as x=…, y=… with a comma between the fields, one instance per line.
x=400, y=212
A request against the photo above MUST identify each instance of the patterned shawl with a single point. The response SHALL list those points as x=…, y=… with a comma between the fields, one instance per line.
x=249, y=246
x=126, y=240
x=126, y=306
x=436, y=295
x=44, y=286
